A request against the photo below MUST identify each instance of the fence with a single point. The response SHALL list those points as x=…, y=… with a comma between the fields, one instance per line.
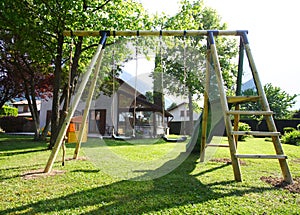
x=177, y=127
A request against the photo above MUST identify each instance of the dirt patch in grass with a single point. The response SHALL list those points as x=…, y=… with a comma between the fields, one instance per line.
x=227, y=161
x=297, y=160
x=40, y=174
x=79, y=158
x=279, y=183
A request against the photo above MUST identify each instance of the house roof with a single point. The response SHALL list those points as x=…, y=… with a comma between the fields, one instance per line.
x=151, y=106
x=147, y=106
x=24, y=102
x=177, y=106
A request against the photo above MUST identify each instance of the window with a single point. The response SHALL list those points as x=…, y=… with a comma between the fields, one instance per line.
x=25, y=108
x=188, y=112
x=182, y=113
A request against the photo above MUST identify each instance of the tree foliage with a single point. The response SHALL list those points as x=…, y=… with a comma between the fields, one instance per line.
x=296, y=114
x=196, y=16
x=8, y=111
x=23, y=77
x=36, y=30
x=39, y=27
x=280, y=102
x=185, y=57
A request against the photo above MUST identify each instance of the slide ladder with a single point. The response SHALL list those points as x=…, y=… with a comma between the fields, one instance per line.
x=232, y=130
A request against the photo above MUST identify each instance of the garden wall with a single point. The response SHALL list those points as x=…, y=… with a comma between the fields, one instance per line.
x=280, y=124
x=16, y=124
x=177, y=127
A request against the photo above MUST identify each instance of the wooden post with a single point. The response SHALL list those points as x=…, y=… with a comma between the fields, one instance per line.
x=269, y=118
x=236, y=123
x=223, y=99
x=87, y=108
x=63, y=130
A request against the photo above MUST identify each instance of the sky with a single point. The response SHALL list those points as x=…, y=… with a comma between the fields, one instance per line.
x=273, y=32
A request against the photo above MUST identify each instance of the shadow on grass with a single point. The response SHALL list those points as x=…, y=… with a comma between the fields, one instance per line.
x=178, y=188
x=22, y=151
x=11, y=144
x=131, y=142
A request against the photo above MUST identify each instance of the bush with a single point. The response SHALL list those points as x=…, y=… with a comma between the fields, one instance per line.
x=292, y=138
x=288, y=129
x=8, y=111
x=243, y=127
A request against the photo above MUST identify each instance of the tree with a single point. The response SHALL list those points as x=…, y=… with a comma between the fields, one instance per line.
x=149, y=96
x=279, y=101
x=22, y=77
x=40, y=25
x=9, y=88
x=296, y=114
x=173, y=105
x=184, y=66
x=10, y=85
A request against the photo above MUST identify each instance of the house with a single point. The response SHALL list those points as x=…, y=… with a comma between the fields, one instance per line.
x=181, y=113
x=23, y=107
x=180, y=122
x=125, y=113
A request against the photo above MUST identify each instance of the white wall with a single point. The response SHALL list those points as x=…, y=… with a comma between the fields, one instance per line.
x=45, y=106
x=103, y=102
x=177, y=113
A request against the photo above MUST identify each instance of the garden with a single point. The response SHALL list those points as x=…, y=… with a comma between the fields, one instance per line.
x=82, y=187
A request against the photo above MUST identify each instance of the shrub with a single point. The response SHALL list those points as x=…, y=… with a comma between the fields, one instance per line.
x=288, y=129
x=8, y=111
x=298, y=127
x=292, y=138
x=243, y=127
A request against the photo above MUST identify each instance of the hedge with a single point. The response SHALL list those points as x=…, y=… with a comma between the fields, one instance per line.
x=16, y=124
x=8, y=111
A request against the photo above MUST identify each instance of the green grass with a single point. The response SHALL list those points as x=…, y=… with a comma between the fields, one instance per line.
x=191, y=188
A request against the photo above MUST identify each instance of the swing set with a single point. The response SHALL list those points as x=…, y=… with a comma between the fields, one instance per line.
x=213, y=69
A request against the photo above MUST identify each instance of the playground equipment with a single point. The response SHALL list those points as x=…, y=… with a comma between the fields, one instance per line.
x=73, y=130
x=212, y=59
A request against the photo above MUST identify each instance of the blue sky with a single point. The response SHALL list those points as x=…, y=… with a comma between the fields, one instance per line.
x=273, y=31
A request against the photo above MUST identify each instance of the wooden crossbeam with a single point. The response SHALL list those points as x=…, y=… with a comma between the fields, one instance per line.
x=241, y=99
x=156, y=33
x=261, y=156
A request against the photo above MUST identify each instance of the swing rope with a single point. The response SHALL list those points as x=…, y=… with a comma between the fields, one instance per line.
x=162, y=64
x=113, y=80
x=135, y=84
x=184, y=80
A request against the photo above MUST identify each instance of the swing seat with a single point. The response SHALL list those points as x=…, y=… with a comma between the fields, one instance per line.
x=180, y=139
x=115, y=137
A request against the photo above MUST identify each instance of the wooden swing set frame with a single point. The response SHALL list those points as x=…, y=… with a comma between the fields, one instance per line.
x=211, y=59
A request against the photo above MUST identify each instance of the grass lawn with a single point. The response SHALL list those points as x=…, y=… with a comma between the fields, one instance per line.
x=90, y=186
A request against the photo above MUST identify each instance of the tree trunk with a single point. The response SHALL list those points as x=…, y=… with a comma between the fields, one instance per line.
x=33, y=110
x=58, y=118
x=29, y=87
x=158, y=96
x=44, y=133
x=55, y=116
